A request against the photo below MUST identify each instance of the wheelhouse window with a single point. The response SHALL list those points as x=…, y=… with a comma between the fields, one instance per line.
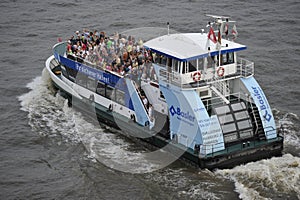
x=200, y=64
x=169, y=63
x=176, y=65
x=184, y=67
x=161, y=59
x=210, y=61
x=227, y=58
x=192, y=66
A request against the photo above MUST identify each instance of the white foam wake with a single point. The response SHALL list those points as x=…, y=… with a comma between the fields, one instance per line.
x=266, y=179
x=50, y=116
x=290, y=123
x=272, y=178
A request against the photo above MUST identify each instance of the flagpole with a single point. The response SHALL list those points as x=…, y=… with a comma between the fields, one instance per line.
x=219, y=44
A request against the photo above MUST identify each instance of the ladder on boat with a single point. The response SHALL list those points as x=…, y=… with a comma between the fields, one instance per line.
x=221, y=89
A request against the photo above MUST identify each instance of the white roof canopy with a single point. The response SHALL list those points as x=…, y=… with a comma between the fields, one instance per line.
x=188, y=46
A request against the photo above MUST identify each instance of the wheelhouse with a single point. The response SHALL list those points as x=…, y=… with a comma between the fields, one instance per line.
x=193, y=58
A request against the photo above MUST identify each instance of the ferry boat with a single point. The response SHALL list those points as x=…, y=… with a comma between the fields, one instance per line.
x=188, y=90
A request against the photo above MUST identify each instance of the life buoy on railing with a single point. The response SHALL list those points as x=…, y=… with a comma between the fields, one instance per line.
x=197, y=76
x=220, y=71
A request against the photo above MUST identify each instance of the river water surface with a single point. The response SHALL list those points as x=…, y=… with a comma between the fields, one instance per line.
x=48, y=150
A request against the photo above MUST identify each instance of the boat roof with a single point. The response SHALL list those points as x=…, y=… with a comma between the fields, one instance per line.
x=189, y=46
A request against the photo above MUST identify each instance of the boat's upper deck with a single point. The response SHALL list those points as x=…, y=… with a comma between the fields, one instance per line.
x=190, y=46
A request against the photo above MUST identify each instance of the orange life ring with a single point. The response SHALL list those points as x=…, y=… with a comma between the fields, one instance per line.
x=197, y=76
x=220, y=71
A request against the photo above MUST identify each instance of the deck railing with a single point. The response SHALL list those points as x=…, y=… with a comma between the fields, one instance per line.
x=245, y=68
x=170, y=77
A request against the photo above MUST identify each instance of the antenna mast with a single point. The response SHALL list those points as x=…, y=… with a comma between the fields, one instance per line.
x=168, y=24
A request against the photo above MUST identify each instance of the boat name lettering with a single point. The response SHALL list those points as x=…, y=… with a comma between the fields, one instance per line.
x=262, y=105
x=198, y=109
x=211, y=138
x=95, y=75
x=182, y=114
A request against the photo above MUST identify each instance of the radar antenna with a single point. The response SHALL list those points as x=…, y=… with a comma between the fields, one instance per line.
x=219, y=20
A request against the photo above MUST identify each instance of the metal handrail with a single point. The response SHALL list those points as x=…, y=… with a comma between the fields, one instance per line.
x=255, y=120
x=170, y=76
x=245, y=67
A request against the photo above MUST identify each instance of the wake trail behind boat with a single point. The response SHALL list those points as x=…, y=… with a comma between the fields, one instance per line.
x=50, y=116
x=262, y=179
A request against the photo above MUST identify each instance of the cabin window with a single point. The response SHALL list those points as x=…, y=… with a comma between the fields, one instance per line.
x=120, y=97
x=176, y=65
x=200, y=64
x=169, y=63
x=227, y=58
x=91, y=84
x=81, y=80
x=72, y=73
x=161, y=59
x=110, y=92
x=210, y=61
x=192, y=65
x=100, y=89
x=184, y=68
x=64, y=72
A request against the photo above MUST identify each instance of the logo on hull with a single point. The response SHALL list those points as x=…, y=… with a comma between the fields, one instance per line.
x=262, y=103
x=179, y=113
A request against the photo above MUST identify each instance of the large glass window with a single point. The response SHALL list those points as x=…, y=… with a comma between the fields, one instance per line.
x=64, y=72
x=184, y=70
x=227, y=58
x=192, y=65
x=175, y=65
x=161, y=59
x=72, y=73
x=210, y=61
x=81, y=79
x=91, y=84
x=200, y=64
x=100, y=89
x=110, y=92
x=120, y=97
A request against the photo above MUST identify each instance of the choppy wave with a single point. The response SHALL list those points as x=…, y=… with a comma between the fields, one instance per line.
x=187, y=184
x=50, y=116
x=275, y=178
x=290, y=124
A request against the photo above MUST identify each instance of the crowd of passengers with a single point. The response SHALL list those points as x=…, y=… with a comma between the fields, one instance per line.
x=118, y=53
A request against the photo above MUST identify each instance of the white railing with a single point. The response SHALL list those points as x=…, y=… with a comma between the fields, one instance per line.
x=170, y=77
x=245, y=67
x=218, y=101
x=221, y=86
